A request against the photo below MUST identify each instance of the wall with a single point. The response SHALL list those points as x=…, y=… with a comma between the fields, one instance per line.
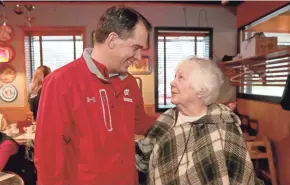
x=273, y=120
x=249, y=11
x=86, y=14
x=274, y=123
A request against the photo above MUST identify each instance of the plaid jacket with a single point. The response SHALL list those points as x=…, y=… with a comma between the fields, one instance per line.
x=210, y=150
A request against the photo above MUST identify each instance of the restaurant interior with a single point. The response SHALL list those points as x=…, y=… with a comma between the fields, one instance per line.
x=249, y=41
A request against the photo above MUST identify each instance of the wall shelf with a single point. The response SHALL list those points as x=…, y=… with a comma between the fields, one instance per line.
x=270, y=69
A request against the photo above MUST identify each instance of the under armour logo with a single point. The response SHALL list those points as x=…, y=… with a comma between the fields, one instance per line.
x=93, y=99
x=126, y=92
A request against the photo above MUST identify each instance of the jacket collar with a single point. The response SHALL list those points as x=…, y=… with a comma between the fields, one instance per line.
x=94, y=69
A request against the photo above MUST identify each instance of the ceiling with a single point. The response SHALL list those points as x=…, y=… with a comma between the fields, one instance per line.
x=190, y=2
x=230, y=3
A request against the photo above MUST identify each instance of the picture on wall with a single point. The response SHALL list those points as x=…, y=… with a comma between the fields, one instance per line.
x=8, y=93
x=141, y=67
x=6, y=33
x=6, y=53
x=7, y=73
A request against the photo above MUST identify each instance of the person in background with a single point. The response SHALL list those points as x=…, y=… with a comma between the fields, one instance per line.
x=8, y=147
x=13, y=159
x=91, y=108
x=3, y=123
x=35, y=88
x=198, y=142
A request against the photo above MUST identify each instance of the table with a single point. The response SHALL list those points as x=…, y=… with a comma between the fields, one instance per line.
x=10, y=179
x=26, y=140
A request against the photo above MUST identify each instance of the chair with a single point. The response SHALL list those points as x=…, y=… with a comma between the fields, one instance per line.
x=12, y=179
x=261, y=149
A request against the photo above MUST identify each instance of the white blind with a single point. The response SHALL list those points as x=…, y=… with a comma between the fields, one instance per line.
x=53, y=51
x=172, y=48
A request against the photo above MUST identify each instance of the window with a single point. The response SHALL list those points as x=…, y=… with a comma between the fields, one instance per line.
x=173, y=45
x=51, y=48
x=271, y=79
x=271, y=86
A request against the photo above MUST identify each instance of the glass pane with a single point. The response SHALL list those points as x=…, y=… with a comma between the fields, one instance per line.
x=79, y=48
x=176, y=49
x=57, y=51
x=35, y=57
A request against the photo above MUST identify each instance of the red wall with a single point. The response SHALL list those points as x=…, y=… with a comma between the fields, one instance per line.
x=252, y=10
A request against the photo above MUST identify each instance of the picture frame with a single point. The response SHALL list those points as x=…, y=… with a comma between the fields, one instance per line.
x=7, y=53
x=142, y=67
x=7, y=73
x=6, y=33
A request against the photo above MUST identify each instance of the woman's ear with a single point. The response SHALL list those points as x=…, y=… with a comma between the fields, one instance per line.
x=201, y=93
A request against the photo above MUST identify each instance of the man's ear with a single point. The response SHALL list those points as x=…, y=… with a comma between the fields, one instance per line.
x=112, y=39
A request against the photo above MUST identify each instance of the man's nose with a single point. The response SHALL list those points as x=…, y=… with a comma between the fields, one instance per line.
x=138, y=55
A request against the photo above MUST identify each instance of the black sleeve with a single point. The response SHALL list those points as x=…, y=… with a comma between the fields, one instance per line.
x=285, y=102
x=33, y=102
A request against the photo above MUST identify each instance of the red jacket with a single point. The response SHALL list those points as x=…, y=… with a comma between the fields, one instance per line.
x=86, y=125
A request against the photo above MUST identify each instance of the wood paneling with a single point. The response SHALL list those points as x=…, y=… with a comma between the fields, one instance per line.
x=14, y=114
x=278, y=24
x=274, y=123
x=251, y=10
x=150, y=110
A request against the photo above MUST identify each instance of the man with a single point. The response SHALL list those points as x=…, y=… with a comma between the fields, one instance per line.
x=90, y=109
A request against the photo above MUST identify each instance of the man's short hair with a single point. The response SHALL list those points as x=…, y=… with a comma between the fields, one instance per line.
x=121, y=20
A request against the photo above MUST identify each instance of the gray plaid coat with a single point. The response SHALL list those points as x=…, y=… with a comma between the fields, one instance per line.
x=209, y=151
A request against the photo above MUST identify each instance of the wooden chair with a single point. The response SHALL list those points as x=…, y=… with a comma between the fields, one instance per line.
x=261, y=149
x=12, y=179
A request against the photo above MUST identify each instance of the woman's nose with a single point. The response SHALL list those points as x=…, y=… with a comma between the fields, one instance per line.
x=172, y=84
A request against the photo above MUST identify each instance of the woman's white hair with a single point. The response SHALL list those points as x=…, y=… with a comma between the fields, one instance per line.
x=205, y=78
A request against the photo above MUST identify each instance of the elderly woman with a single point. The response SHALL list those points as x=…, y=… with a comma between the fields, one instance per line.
x=198, y=142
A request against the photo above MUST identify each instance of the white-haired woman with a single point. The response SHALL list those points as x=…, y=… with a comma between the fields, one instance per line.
x=198, y=142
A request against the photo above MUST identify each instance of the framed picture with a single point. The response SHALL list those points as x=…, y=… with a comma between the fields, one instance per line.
x=6, y=53
x=7, y=73
x=6, y=33
x=142, y=67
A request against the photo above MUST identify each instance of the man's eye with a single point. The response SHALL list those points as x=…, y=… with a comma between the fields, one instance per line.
x=136, y=48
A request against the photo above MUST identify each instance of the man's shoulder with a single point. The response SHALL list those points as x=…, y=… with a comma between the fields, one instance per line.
x=131, y=80
x=69, y=69
x=66, y=73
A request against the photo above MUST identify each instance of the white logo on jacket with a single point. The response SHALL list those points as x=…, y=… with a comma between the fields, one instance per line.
x=91, y=99
x=126, y=93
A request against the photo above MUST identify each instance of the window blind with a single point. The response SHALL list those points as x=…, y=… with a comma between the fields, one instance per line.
x=172, y=48
x=54, y=51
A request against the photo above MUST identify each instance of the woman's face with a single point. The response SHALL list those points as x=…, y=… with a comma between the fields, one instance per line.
x=181, y=90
